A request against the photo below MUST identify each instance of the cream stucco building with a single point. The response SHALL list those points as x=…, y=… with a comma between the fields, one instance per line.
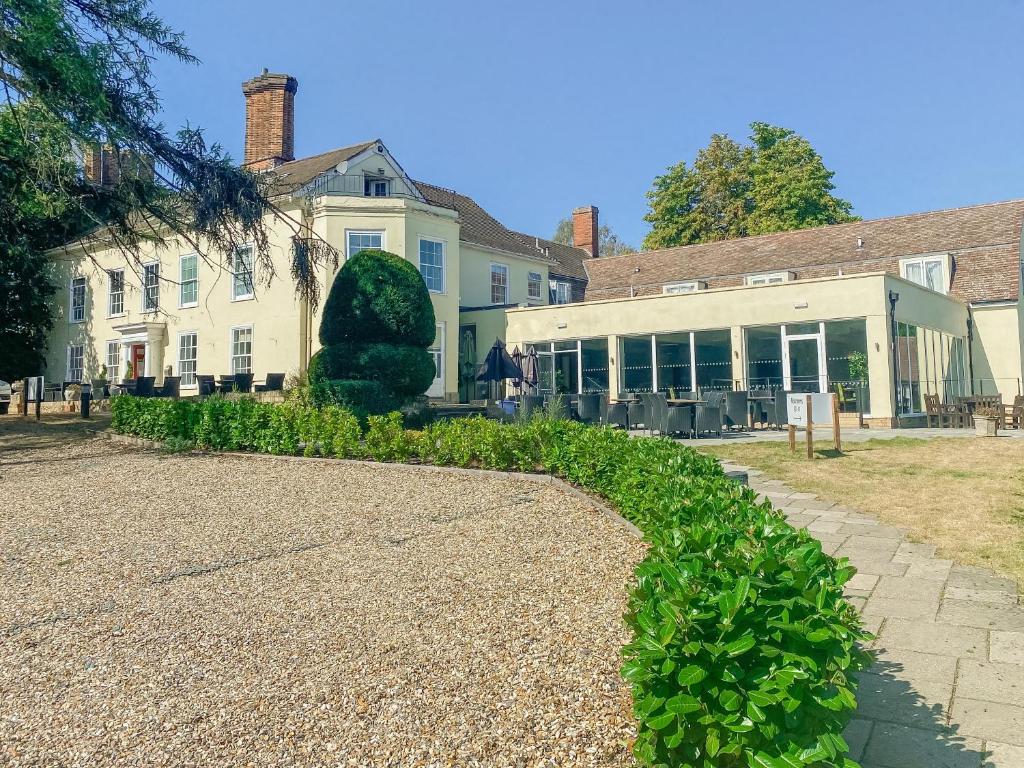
x=200, y=313
x=882, y=312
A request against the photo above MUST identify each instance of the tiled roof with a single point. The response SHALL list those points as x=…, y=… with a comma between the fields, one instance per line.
x=288, y=177
x=984, y=241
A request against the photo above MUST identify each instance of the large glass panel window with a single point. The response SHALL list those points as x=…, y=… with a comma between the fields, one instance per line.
x=78, y=300
x=764, y=357
x=908, y=368
x=187, y=355
x=499, y=284
x=595, y=365
x=241, y=274
x=241, y=349
x=432, y=264
x=115, y=292
x=636, y=358
x=151, y=287
x=566, y=367
x=675, y=374
x=189, y=282
x=713, y=354
x=362, y=241
x=846, y=363
x=76, y=357
x=113, y=362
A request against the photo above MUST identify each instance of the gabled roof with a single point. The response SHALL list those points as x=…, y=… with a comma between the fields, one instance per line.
x=289, y=176
x=984, y=241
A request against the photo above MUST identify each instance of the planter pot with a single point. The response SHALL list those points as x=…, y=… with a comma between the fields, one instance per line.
x=986, y=426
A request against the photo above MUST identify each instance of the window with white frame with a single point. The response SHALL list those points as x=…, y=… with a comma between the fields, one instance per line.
x=187, y=348
x=437, y=352
x=929, y=271
x=685, y=287
x=241, y=274
x=768, y=278
x=76, y=356
x=361, y=241
x=534, y=281
x=499, y=284
x=375, y=186
x=241, y=349
x=151, y=287
x=561, y=291
x=432, y=264
x=78, y=300
x=115, y=292
x=114, y=362
x=189, y=280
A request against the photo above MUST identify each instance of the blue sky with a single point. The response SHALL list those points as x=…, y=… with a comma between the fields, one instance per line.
x=533, y=107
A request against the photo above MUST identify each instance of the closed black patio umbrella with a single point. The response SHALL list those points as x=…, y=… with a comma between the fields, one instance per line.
x=530, y=368
x=498, y=365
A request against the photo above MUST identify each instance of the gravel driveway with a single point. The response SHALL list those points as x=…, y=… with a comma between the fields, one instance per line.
x=209, y=610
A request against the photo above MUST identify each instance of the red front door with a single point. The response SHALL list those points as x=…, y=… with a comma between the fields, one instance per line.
x=138, y=360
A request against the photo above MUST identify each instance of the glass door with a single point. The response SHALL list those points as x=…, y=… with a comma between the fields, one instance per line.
x=803, y=365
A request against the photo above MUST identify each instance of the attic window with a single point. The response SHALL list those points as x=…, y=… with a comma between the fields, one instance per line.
x=376, y=187
x=689, y=286
x=769, y=278
x=930, y=271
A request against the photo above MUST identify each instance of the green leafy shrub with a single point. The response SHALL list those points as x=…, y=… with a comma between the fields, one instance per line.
x=743, y=651
x=377, y=324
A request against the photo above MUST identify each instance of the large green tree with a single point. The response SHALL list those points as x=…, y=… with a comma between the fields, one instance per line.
x=608, y=242
x=82, y=69
x=777, y=182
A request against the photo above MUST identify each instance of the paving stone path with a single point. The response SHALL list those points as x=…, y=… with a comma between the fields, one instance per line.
x=947, y=687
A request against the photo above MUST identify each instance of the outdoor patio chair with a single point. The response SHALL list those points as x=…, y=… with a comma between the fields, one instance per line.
x=735, y=412
x=657, y=410
x=243, y=382
x=170, y=388
x=100, y=389
x=589, y=409
x=617, y=415
x=778, y=410
x=678, y=420
x=943, y=414
x=709, y=415
x=1013, y=415
x=144, y=386
x=205, y=384
x=273, y=383
x=638, y=415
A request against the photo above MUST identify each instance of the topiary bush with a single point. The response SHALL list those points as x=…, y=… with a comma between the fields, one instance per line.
x=377, y=324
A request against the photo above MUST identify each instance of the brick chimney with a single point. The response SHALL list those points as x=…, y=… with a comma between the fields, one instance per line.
x=104, y=165
x=584, y=229
x=269, y=120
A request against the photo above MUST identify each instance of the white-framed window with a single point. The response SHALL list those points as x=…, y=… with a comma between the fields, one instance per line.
x=432, y=264
x=929, y=271
x=767, y=278
x=534, y=281
x=151, y=287
x=114, y=362
x=374, y=186
x=115, y=293
x=188, y=346
x=499, y=283
x=77, y=300
x=241, y=274
x=689, y=286
x=436, y=388
x=561, y=291
x=361, y=241
x=189, y=281
x=76, y=357
x=241, y=349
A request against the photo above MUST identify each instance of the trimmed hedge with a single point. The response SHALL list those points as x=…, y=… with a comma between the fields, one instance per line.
x=743, y=650
x=407, y=370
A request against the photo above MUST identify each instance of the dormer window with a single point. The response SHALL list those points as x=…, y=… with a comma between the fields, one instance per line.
x=769, y=278
x=930, y=271
x=376, y=187
x=689, y=286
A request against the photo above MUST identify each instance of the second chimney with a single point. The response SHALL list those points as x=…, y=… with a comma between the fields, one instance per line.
x=585, y=229
x=269, y=120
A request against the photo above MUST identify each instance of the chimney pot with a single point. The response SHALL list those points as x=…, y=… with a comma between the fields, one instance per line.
x=585, y=229
x=269, y=120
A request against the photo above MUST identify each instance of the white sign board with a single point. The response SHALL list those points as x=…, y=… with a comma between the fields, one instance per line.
x=35, y=389
x=821, y=409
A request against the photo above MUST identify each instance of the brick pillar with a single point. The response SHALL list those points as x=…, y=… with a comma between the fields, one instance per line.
x=584, y=229
x=269, y=120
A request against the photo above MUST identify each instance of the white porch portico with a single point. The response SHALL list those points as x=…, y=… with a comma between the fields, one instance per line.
x=142, y=346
